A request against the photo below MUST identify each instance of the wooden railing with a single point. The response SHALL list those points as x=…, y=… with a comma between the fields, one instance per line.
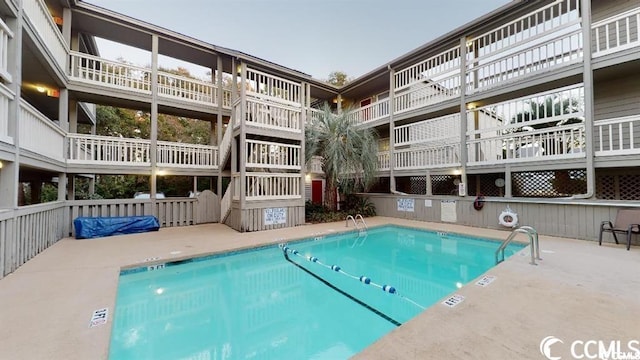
x=225, y=203
x=430, y=69
x=272, y=186
x=186, y=89
x=5, y=35
x=5, y=97
x=39, y=134
x=315, y=114
x=107, y=150
x=271, y=155
x=430, y=156
x=273, y=88
x=315, y=165
x=235, y=181
x=368, y=113
x=172, y=154
x=273, y=116
x=557, y=142
x=616, y=33
x=384, y=161
x=96, y=70
x=227, y=98
x=432, y=130
x=427, y=93
x=616, y=136
x=561, y=50
x=27, y=231
x=225, y=145
x=39, y=15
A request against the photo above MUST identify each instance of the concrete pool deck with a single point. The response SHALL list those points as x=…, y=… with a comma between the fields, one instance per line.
x=579, y=291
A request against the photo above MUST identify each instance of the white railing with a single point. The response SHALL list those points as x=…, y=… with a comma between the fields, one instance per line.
x=273, y=186
x=172, y=154
x=235, y=184
x=315, y=165
x=227, y=98
x=225, y=203
x=430, y=69
x=96, y=70
x=264, y=154
x=432, y=130
x=273, y=116
x=562, y=50
x=173, y=212
x=225, y=145
x=444, y=155
x=384, y=161
x=315, y=114
x=273, y=88
x=108, y=150
x=616, y=136
x=556, y=142
x=89, y=109
x=5, y=35
x=616, y=33
x=39, y=134
x=186, y=89
x=5, y=97
x=368, y=113
x=427, y=92
x=236, y=116
x=528, y=28
x=27, y=231
x=41, y=18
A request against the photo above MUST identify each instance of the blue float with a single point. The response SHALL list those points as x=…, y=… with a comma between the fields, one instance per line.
x=94, y=227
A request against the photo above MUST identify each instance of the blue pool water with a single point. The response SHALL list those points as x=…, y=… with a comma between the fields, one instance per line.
x=258, y=305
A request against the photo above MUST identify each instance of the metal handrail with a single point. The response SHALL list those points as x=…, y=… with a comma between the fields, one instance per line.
x=531, y=233
x=359, y=216
x=352, y=219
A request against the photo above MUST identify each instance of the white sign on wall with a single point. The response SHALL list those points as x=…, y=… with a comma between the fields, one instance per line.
x=407, y=205
x=448, y=211
x=274, y=216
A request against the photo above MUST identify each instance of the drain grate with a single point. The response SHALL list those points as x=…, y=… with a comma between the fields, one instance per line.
x=485, y=280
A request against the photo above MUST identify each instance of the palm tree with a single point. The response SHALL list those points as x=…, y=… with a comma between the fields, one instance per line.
x=349, y=153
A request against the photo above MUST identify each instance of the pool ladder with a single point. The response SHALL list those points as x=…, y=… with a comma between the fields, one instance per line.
x=534, y=245
x=356, y=220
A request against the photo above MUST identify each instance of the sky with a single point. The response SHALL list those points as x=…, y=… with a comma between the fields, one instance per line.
x=312, y=36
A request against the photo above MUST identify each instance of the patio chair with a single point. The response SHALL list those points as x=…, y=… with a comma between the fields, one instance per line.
x=627, y=222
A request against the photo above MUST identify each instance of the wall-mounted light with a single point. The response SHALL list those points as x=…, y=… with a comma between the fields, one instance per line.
x=471, y=106
x=1, y=164
x=41, y=89
x=307, y=178
x=58, y=20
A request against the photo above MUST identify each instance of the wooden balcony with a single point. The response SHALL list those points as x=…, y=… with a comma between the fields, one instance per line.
x=616, y=33
x=273, y=186
x=94, y=70
x=5, y=35
x=47, y=30
x=617, y=136
x=5, y=97
x=106, y=150
x=40, y=135
x=370, y=113
x=271, y=155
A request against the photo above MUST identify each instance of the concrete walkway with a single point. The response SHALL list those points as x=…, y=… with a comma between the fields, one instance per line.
x=580, y=291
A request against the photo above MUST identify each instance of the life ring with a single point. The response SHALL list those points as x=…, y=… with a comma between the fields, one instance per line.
x=478, y=203
x=508, y=218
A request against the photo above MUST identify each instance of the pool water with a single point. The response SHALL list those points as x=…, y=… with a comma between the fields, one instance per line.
x=257, y=305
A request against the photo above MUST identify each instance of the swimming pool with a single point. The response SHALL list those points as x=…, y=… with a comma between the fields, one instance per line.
x=262, y=304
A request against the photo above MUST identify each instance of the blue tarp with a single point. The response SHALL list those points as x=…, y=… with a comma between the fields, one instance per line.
x=92, y=227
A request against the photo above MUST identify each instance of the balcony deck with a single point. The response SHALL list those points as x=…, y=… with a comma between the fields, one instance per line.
x=534, y=302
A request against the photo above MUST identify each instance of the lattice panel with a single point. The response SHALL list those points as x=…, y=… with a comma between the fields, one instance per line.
x=551, y=183
x=629, y=187
x=606, y=187
x=416, y=185
x=444, y=184
x=485, y=184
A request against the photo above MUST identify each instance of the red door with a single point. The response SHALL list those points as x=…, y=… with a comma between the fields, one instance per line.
x=316, y=191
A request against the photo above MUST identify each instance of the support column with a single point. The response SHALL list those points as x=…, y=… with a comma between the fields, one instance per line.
x=306, y=105
x=63, y=118
x=10, y=171
x=463, y=112
x=392, y=131
x=218, y=81
x=154, y=119
x=588, y=97
x=242, y=139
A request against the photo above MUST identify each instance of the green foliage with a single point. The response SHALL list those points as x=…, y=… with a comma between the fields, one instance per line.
x=315, y=213
x=354, y=204
x=349, y=153
x=338, y=78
